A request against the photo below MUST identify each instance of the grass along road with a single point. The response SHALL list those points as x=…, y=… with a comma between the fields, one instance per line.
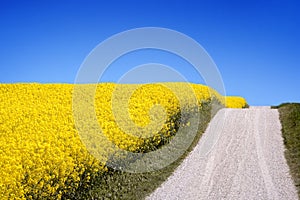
x=247, y=162
x=290, y=120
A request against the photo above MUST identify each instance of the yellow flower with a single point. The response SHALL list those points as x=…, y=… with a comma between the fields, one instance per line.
x=42, y=152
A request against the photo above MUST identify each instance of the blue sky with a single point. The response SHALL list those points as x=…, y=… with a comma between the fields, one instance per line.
x=255, y=44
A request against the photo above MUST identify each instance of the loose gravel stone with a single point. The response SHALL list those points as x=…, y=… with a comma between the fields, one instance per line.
x=240, y=156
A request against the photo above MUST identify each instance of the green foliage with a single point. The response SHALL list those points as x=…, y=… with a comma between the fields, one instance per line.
x=290, y=120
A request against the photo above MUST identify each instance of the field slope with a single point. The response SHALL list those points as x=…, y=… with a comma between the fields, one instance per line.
x=74, y=141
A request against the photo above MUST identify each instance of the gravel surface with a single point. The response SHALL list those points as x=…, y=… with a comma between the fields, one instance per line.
x=240, y=156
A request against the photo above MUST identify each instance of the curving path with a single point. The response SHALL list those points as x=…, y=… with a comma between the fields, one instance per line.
x=240, y=156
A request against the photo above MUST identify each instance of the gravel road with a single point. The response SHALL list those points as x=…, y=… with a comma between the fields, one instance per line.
x=246, y=161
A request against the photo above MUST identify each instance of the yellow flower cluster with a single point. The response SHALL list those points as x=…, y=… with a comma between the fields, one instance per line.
x=149, y=107
x=42, y=153
x=235, y=102
x=40, y=150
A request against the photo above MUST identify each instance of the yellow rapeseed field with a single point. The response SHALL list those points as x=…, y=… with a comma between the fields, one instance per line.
x=235, y=102
x=42, y=154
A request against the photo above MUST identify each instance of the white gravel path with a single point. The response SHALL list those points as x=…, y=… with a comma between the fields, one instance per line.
x=246, y=162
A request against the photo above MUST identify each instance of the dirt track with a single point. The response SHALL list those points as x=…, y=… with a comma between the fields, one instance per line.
x=240, y=156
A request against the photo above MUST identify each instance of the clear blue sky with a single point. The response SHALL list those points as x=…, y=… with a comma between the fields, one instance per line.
x=255, y=44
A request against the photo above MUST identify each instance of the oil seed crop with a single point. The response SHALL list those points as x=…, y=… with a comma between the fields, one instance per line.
x=42, y=154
